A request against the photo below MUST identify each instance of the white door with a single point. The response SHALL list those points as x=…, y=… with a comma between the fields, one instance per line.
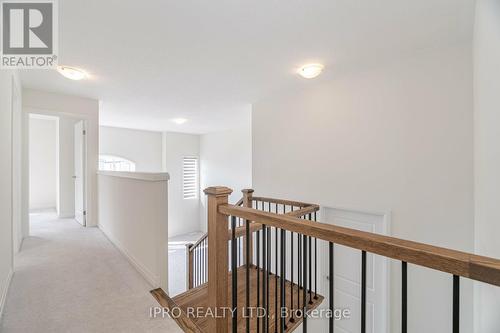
x=347, y=271
x=79, y=176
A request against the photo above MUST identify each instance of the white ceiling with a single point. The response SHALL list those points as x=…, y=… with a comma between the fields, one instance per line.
x=208, y=60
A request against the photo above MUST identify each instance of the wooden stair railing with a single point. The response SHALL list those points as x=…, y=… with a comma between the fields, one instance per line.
x=257, y=284
x=458, y=264
x=197, y=253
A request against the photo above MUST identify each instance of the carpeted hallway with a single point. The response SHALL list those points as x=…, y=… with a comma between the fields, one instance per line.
x=72, y=279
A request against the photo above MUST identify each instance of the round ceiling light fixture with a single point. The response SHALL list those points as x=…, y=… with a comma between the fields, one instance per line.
x=179, y=121
x=72, y=73
x=310, y=71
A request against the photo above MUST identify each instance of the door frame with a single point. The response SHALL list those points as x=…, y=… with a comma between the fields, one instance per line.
x=25, y=177
x=386, y=216
x=84, y=171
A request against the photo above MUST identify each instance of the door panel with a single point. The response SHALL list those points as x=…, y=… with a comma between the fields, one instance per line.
x=79, y=174
x=347, y=269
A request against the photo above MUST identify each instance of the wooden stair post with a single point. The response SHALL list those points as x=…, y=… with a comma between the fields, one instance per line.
x=247, y=202
x=189, y=266
x=218, y=300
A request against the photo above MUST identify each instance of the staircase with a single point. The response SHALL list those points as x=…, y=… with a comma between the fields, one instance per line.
x=261, y=255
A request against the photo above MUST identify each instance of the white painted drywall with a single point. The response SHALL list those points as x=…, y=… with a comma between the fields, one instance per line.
x=183, y=214
x=17, y=183
x=133, y=214
x=395, y=138
x=226, y=160
x=41, y=102
x=144, y=148
x=66, y=167
x=43, y=160
x=487, y=155
x=7, y=80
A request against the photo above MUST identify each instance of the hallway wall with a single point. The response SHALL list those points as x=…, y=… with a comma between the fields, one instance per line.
x=226, y=159
x=43, y=160
x=144, y=148
x=487, y=155
x=393, y=138
x=183, y=214
x=7, y=79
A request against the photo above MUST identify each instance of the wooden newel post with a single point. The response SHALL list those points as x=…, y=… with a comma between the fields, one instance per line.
x=218, y=258
x=247, y=202
x=189, y=267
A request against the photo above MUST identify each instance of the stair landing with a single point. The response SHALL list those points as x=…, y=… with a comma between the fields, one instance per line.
x=198, y=298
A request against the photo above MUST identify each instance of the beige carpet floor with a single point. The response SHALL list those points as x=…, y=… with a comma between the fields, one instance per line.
x=72, y=279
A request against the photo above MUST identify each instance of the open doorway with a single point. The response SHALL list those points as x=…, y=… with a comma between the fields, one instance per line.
x=57, y=168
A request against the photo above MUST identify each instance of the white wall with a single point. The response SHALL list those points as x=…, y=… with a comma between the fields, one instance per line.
x=226, y=160
x=7, y=80
x=396, y=138
x=142, y=147
x=43, y=170
x=66, y=167
x=137, y=224
x=487, y=155
x=40, y=102
x=183, y=214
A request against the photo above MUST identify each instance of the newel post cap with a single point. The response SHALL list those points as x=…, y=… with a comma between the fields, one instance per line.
x=218, y=191
x=247, y=190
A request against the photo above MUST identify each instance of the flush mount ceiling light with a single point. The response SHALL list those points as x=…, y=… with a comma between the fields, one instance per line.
x=179, y=121
x=310, y=71
x=72, y=73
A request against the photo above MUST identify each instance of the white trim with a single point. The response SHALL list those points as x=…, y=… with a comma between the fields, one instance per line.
x=4, y=293
x=147, y=176
x=150, y=277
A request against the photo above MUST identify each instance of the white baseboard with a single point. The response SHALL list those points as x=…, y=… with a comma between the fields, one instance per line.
x=149, y=276
x=4, y=292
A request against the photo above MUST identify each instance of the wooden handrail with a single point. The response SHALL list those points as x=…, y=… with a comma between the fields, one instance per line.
x=201, y=239
x=463, y=264
x=184, y=322
x=303, y=211
x=283, y=202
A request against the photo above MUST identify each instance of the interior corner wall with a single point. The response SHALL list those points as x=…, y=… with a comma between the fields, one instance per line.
x=7, y=81
x=144, y=148
x=487, y=156
x=394, y=138
x=43, y=159
x=54, y=104
x=226, y=160
x=183, y=214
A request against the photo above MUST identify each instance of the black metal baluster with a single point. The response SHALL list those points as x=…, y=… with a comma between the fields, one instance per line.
x=363, y=292
x=309, y=240
x=404, y=297
x=276, y=276
x=292, y=319
x=268, y=270
x=456, y=304
x=331, y=289
x=258, y=278
x=304, y=277
x=282, y=280
x=234, y=275
x=247, y=277
x=299, y=268
x=264, y=273
x=315, y=264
